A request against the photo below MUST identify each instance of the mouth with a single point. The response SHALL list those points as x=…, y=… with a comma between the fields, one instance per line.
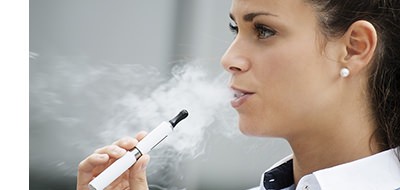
x=240, y=97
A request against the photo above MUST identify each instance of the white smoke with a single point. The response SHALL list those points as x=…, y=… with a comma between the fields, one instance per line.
x=190, y=88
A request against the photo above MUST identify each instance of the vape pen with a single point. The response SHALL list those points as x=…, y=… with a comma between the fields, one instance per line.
x=144, y=146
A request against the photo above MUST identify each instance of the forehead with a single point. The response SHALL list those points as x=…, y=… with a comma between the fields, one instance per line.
x=284, y=9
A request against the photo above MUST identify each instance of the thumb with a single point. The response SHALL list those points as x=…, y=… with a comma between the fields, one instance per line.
x=137, y=175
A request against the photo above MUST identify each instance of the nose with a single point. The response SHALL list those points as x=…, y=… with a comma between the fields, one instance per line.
x=235, y=60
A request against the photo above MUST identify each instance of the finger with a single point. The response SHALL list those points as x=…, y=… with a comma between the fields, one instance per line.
x=86, y=167
x=113, y=151
x=139, y=136
x=126, y=142
x=137, y=175
x=121, y=182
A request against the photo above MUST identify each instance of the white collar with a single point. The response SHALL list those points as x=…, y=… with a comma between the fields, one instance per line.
x=380, y=171
x=377, y=172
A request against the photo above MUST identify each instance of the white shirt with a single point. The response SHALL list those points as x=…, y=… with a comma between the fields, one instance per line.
x=377, y=172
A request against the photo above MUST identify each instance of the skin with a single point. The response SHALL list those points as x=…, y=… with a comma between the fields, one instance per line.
x=134, y=178
x=294, y=75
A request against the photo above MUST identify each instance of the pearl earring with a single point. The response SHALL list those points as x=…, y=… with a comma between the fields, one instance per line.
x=344, y=72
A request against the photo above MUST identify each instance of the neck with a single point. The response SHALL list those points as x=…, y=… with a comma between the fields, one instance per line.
x=312, y=152
x=341, y=134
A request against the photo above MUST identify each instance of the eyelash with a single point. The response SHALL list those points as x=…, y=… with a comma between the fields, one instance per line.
x=263, y=32
x=234, y=29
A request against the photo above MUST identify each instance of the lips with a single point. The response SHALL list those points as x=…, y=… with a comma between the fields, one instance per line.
x=240, y=97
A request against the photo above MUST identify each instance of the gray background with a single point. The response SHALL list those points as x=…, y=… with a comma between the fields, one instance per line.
x=85, y=54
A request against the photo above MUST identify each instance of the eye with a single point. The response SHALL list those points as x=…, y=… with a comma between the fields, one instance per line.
x=264, y=32
x=234, y=28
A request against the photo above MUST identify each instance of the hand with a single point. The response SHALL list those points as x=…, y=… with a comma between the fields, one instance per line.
x=134, y=178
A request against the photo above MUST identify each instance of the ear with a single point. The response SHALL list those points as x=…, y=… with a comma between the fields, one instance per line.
x=360, y=40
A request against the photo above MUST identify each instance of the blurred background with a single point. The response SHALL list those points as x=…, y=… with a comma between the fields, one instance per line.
x=101, y=70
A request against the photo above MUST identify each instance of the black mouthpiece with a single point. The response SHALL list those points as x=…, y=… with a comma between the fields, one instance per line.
x=182, y=115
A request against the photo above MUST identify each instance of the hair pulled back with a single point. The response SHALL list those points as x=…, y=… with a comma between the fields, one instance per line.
x=335, y=17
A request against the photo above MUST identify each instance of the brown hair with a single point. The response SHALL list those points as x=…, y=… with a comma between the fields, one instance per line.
x=335, y=17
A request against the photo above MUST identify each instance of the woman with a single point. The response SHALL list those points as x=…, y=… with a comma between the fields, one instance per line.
x=322, y=74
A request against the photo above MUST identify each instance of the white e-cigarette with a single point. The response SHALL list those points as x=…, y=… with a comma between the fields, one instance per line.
x=144, y=146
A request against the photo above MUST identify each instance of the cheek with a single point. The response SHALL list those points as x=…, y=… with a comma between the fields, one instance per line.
x=280, y=73
x=286, y=88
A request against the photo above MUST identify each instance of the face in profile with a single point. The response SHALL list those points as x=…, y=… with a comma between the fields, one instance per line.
x=283, y=73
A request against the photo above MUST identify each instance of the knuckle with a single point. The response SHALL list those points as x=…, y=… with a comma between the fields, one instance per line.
x=99, y=150
x=112, y=147
x=126, y=138
x=124, y=141
x=140, y=179
x=82, y=165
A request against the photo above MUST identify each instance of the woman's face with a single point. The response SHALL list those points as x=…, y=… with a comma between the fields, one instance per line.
x=284, y=76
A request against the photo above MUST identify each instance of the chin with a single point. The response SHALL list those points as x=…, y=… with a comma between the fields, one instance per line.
x=248, y=129
x=257, y=129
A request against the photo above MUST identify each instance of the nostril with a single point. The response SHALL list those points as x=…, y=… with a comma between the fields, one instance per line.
x=234, y=69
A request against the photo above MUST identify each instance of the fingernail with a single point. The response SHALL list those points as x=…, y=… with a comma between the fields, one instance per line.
x=102, y=156
x=121, y=150
x=144, y=166
x=118, y=151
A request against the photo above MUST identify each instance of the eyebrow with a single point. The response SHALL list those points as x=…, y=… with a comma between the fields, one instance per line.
x=250, y=16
